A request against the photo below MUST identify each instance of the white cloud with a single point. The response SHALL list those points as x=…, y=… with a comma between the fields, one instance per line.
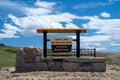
x=109, y=31
x=42, y=17
x=116, y=44
x=96, y=38
x=9, y=31
x=37, y=11
x=44, y=4
x=105, y=36
x=109, y=27
x=10, y=27
x=14, y=19
x=63, y=17
x=97, y=23
x=94, y=41
x=43, y=21
x=71, y=25
x=105, y=14
x=102, y=49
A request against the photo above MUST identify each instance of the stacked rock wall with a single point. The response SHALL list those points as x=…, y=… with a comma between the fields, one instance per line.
x=25, y=58
x=30, y=59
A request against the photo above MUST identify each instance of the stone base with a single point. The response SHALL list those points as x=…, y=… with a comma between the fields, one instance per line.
x=94, y=64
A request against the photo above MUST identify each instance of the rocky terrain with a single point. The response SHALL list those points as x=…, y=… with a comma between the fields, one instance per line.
x=112, y=73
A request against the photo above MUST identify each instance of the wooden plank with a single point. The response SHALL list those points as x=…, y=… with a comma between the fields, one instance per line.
x=61, y=30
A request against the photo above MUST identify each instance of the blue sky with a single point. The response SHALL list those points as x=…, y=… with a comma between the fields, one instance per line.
x=19, y=20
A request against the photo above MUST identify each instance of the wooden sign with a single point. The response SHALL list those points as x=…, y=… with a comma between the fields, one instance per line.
x=62, y=44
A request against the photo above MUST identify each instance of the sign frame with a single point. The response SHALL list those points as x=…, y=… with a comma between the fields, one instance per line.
x=61, y=44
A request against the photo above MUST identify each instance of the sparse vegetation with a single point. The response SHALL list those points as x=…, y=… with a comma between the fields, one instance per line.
x=7, y=56
x=112, y=62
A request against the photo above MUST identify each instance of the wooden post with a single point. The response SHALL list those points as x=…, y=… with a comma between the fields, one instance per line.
x=45, y=43
x=94, y=52
x=78, y=43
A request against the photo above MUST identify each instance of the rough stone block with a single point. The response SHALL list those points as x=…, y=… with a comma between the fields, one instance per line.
x=24, y=58
x=55, y=66
x=19, y=58
x=26, y=65
x=99, y=67
x=70, y=66
x=21, y=52
x=85, y=64
x=38, y=58
x=32, y=51
x=42, y=66
x=28, y=54
x=85, y=69
x=86, y=61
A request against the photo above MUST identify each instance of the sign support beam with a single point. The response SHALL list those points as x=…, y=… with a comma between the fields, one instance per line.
x=45, y=43
x=78, y=43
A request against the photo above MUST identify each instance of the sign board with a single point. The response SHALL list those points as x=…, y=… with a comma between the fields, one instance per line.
x=62, y=44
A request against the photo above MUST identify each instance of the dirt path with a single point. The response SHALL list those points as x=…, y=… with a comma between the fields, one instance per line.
x=112, y=73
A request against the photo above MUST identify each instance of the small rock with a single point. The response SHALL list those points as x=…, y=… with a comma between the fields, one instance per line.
x=4, y=69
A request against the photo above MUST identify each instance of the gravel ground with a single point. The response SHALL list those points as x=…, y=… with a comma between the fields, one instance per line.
x=112, y=73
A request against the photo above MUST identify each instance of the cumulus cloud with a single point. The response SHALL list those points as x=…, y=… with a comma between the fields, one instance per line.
x=97, y=41
x=104, y=26
x=105, y=14
x=108, y=28
x=106, y=33
x=42, y=16
x=9, y=31
x=71, y=25
x=31, y=23
x=116, y=44
x=44, y=4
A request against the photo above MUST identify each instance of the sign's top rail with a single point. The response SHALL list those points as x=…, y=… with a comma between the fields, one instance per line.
x=61, y=30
